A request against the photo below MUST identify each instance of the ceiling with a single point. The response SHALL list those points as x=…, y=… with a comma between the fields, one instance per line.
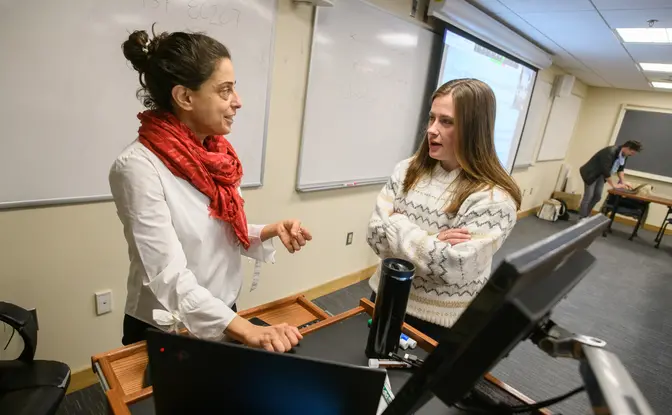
x=580, y=34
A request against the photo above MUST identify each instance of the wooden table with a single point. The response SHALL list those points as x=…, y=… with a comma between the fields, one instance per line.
x=642, y=198
x=121, y=370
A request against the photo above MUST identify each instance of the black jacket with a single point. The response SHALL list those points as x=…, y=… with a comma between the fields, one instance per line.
x=599, y=166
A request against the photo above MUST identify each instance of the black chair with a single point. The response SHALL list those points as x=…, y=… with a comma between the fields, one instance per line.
x=663, y=227
x=29, y=386
x=632, y=208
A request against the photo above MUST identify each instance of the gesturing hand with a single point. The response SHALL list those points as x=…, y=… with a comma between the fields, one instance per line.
x=292, y=234
x=279, y=338
x=454, y=236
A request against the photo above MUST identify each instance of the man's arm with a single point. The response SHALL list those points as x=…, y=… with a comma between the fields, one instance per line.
x=619, y=185
x=606, y=158
x=621, y=177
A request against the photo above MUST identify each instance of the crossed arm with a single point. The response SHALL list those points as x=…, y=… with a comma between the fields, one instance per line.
x=487, y=218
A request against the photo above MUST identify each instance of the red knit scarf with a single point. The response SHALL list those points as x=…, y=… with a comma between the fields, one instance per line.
x=212, y=167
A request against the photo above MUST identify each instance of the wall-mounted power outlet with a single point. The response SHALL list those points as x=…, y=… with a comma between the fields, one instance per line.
x=103, y=302
x=348, y=239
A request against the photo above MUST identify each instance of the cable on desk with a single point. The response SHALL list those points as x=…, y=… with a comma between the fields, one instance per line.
x=310, y=323
x=506, y=409
x=10, y=338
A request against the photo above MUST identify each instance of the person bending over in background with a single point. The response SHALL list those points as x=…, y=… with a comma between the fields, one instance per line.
x=449, y=208
x=176, y=189
x=599, y=169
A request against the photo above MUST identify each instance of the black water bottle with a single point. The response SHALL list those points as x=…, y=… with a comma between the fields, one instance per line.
x=396, y=276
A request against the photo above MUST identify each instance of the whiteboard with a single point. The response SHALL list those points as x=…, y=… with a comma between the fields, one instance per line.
x=367, y=99
x=69, y=105
x=537, y=116
x=560, y=127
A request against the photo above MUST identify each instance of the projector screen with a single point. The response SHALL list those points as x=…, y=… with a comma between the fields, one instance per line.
x=512, y=82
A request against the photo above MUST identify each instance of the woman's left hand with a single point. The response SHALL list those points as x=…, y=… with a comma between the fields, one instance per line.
x=454, y=236
x=290, y=232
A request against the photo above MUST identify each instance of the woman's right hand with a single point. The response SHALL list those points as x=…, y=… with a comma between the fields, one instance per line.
x=278, y=338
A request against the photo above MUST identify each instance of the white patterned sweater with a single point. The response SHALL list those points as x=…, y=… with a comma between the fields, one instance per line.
x=406, y=226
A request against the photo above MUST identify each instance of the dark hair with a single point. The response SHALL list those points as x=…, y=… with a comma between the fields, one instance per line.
x=170, y=59
x=633, y=145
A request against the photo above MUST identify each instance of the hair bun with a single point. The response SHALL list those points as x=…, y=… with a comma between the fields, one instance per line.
x=136, y=50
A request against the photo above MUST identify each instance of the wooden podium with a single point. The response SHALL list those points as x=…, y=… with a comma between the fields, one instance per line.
x=121, y=370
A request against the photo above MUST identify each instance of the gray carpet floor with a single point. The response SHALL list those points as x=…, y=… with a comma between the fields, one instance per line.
x=624, y=300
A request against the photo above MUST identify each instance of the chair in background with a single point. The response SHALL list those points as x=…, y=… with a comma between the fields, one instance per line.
x=29, y=386
x=663, y=227
x=635, y=209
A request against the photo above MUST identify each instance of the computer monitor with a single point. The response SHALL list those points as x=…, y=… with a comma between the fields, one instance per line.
x=519, y=295
x=192, y=376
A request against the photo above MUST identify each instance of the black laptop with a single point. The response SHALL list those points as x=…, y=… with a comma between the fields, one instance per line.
x=192, y=376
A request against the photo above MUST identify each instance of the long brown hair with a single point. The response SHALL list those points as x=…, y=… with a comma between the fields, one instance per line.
x=475, y=108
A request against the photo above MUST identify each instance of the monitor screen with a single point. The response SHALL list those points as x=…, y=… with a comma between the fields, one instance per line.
x=512, y=82
x=519, y=296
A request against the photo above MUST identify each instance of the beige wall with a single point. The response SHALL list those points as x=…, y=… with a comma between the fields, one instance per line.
x=596, y=124
x=537, y=182
x=55, y=258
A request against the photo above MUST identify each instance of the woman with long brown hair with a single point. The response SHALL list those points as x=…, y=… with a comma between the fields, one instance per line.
x=449, y=208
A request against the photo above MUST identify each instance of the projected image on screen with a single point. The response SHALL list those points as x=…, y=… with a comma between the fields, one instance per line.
x=511, y=81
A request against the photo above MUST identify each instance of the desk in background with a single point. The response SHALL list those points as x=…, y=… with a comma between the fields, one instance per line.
x=619, y=195
x=121, y=370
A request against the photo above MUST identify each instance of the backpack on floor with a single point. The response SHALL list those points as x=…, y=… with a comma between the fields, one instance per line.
x=551, y=210
x=564, y=212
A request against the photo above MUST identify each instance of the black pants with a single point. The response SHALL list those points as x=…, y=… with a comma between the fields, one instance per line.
x=430, y=329
x=134, y=329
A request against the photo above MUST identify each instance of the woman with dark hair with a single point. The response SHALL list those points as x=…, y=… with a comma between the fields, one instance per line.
x=176, y=189
x=449, y=208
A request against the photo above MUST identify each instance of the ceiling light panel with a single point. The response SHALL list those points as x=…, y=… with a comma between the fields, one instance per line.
x=656, y=67
x=646, y=35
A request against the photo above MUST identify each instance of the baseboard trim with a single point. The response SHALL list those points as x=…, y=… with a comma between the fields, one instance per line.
x=339, y=283
x=632, y=222
x=81, y=379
